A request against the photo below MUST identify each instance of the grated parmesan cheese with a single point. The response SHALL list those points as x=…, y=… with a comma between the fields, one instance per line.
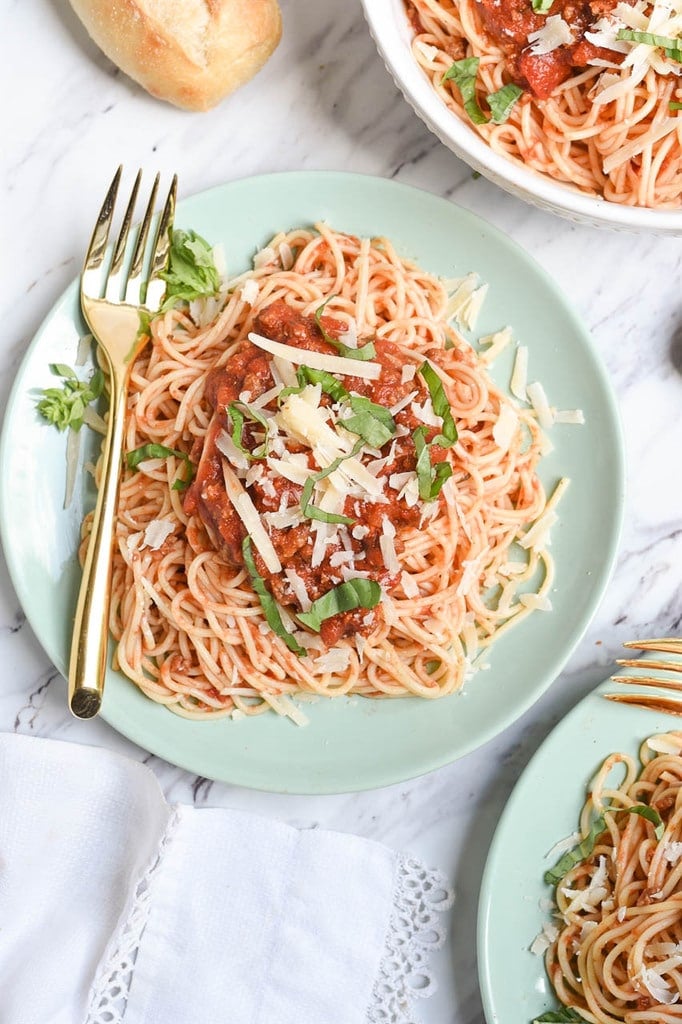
x=156, y=533
x=538, y=399
x=495, y=344
x=519, y=377
x=318, y=360
x=249, y=291
x=505, y=428
x=554, y=33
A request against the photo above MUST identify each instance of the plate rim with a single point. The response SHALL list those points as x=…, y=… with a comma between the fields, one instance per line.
x=602, y=575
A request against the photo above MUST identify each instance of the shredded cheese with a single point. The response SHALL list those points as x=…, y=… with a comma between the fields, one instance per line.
x=318, y=360
x=248, y=513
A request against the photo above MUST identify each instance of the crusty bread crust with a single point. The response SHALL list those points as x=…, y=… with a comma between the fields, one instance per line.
x=238, y=38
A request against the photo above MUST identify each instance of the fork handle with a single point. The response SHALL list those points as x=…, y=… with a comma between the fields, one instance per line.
x=87, y=664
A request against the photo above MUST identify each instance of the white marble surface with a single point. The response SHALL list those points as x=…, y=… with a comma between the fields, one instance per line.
x=325, y=101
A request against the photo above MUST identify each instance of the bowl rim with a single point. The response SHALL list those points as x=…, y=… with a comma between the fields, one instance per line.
x=388, y=25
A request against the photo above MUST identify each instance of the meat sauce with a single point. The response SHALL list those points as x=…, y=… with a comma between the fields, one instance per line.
x=249, y=371
x=509, y=24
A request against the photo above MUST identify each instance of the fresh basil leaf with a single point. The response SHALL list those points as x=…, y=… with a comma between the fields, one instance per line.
x=145, y=321
x=64, y=407
x=312, y=511
x=344, y=598
x=191, y=271
x=463, y=73
x=565, y=1015
x=369, y=421
x=159, y=451
x=671, y=47
x=502, y=102
x=363, y=353
x=96, y=384
x=541, y=6
x=238, y=413
x=644, y=811
x=306, y=375
x=267, y=601
x=577, y=854
x=62, y=370
x=430, y=478
x=441, y=406
x=433, y=666
x=674, y=105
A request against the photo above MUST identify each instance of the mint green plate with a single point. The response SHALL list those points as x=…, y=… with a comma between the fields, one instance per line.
x=543, y=809
x=350, y=744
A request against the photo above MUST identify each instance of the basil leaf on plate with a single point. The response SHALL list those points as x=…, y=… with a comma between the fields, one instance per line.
x=347, y=596
x=267, y=601
x=159, y=451
x=191, y=273
x=367, y=351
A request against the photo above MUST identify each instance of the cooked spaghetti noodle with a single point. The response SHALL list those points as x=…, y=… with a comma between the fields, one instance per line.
x=627, y=148
x=618, y=954
x=190, y=631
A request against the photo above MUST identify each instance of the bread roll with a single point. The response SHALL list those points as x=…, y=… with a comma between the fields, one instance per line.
x=189, y=52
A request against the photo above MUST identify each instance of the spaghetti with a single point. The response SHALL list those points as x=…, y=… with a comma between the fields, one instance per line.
x=216, y=612
x=608, y=127
x=617, y=956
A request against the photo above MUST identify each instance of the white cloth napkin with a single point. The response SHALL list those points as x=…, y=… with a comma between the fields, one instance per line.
x=118, y=909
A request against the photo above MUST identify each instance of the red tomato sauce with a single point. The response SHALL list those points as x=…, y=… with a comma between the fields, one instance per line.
x=248, y=370
x=509, y=23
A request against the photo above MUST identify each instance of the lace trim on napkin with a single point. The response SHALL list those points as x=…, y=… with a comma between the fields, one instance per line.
x=415, y=931
x=109, y=994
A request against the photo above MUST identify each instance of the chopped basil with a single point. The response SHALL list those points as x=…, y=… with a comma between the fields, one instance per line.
x=344, y=598
x=372, y=422
x=565, y=1015
x=363, y=353
x=441, y=406
x=463, y=74
x=267, y=601
x=577, y=854
x=312, y=511
x=159, y=451
x=430, y=478
x=329, y=384
x=238, y=413
x=191, y=272
x=433, y=666
x=674, y=105
x=64, y=407
x=306, y=375
x=644, y=811
x=502, y=102
x=542, y=6
x=586, y=846
x=671, y=47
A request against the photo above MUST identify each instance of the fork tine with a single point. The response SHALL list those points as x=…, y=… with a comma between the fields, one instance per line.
x=655, y=666
x=134, y=280
x=648, y=702
x=113, y=286
x=668, y=645
x=666, y=684
x=157, y=286
x=90, y=281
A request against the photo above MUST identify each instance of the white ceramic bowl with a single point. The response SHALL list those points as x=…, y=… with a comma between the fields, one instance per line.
x=389, y=26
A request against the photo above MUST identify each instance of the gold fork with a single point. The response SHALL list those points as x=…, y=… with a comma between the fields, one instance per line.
x=652, y=702
x=112, y=300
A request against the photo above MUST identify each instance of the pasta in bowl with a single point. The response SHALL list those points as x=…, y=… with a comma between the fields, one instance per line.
x=571, y=107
